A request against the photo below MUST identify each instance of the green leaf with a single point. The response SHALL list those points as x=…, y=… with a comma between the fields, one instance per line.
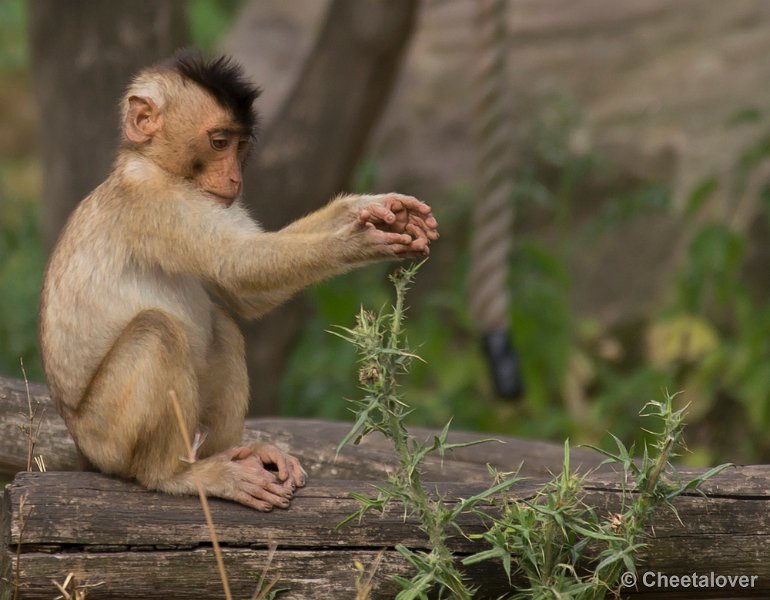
x=447, y=447
x=694, y=484
x=484, y=555
x=747, y=115
x=363, y=417
x=703, y=191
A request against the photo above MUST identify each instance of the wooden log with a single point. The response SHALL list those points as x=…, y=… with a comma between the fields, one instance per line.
x=150, y=545
x=55, y=443
x=313, y=442
x=141, y=544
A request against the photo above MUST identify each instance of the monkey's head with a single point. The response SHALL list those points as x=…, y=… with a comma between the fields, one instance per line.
x=195, y=119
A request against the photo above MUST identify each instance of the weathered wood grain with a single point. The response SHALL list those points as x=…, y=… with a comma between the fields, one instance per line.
x=81, y=509
x=319, y=574
x=314, y=442
x=148, y=545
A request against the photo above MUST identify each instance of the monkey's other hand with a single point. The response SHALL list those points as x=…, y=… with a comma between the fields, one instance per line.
x=245, y=480
x=370, y=243
x=290, y=472
x=397, y=213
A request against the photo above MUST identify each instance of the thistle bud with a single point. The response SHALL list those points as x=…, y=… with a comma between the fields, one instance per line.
x=369, y=374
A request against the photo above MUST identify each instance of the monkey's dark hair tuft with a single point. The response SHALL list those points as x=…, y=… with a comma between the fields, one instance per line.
x=224, y=79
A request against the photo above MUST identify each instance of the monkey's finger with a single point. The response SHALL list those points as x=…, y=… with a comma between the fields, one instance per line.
x=379, y=212
x=406, y=201
x=280, y=489
x=262, y=487
x=293, y=483
x=363, y=217
x=283, y=470
x=428, y=223
x=273, y=455
x=249, y=500
x=430, y=232
x=239, y=453
x=298, y=475
x=416, y=232
x=390, y=238
x=418, y=245
x=261, y=493
x=418, y=241
x=394, y=204
x=430, y=220
x=412, y=204
x=397, y=226
x=267, y=480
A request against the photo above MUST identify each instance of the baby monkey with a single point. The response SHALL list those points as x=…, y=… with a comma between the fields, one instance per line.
x=128, y=313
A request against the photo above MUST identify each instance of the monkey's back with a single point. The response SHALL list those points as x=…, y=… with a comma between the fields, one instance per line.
x=93, y=288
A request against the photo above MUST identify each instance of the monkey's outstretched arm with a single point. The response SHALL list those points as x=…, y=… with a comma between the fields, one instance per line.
x=254, y=306
x=388, y=212
x=224, y=247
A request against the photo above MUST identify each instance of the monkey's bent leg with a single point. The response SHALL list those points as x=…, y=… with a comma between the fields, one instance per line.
x=224, y=400
x=224, y=387
x=125, y=424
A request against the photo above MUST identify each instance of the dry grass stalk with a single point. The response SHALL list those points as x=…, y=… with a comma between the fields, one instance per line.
x=262, y=591
x=30, y=430
x=40, y=462
x=364, y=580
x=71, y=589
x=202, y=495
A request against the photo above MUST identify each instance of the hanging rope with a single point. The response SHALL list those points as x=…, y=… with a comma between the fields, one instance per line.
x=492, y=210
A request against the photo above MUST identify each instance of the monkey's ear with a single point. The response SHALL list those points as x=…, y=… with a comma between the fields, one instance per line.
x=142, y=119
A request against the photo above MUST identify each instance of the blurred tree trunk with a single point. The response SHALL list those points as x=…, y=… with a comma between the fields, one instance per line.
x=308, y=153
x=83, y=55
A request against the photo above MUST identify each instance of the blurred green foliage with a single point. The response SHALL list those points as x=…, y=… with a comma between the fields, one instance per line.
x=21, y=267
x=13, y=35
x=21, y=256
x=712, y=339
x=209, y=20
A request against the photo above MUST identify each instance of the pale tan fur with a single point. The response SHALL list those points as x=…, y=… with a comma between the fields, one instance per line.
x=127, y=315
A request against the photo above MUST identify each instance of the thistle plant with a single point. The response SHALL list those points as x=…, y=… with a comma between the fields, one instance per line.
x=554, y=544
x=384, y=356
x=561, y=547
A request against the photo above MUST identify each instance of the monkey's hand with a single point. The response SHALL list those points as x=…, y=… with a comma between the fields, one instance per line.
x=397, y=213
x=238, y=474
x=362, y=241
x=290, y=472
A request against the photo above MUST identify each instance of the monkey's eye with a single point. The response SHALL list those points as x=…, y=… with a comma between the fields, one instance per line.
x=219, y=143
